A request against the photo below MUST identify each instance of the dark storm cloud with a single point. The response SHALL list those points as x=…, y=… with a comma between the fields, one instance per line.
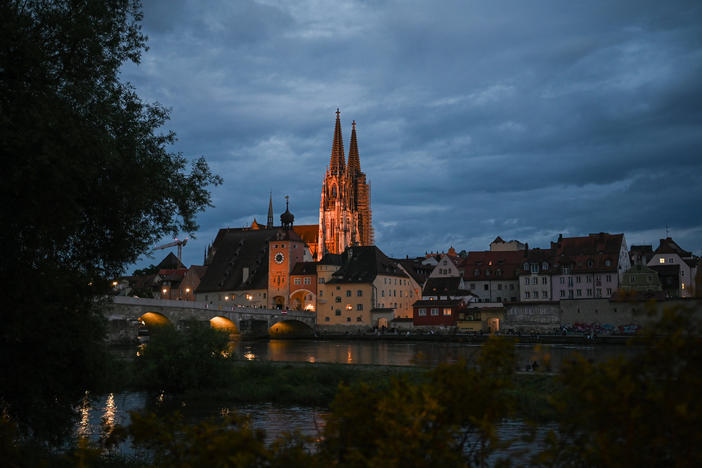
x=475, y=119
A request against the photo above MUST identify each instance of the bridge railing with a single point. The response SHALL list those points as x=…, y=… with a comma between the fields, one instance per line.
x=206, y=306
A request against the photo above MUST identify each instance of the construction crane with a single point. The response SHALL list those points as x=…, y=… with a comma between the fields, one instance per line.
x=176, y=242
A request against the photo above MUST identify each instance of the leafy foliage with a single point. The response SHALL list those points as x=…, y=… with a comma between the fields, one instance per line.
x=195, y=358
x=450, y=420
x=87, y=185
x=640, y=411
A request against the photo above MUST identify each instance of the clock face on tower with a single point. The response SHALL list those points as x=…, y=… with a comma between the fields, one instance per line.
x=279, y=257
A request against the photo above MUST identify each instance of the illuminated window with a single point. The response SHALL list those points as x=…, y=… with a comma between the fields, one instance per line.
x=661, y=260
x=447, y=311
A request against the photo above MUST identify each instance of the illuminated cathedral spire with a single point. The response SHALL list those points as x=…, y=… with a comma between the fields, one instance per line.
x=344, y=210
x=337, y=163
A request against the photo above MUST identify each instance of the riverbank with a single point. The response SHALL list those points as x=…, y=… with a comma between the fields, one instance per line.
x=573, y=339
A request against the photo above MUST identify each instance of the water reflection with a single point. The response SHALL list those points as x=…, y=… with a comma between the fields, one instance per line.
x=108, y=420
x=412, y=353
x=83, y=429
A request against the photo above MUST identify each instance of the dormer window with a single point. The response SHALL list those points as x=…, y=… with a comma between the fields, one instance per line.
x=534, y=267
x=526, y=266
x=608, y=262
x=544, y=266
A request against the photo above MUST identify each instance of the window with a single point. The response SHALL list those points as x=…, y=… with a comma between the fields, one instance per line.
x=499, y=287
x=476, y=272
x=534, y=267
x=608, y=278
x=321, y=292
x=608, y=262
x=359, y=293
x=526, y=280
x=544, y=294
x=544, y=266
x=348, y=319
x=359, y=319
x=359, y=306
x=527, y=294
x=562, y=293
x=337, y=299
x=321, y=280
x=472, y=285
x=589, y=292
x=661, y=260
x=308, y=280
x=670, y=260
x=447, y=311
x=487, y=272
x=562, y=280
x=570, y=294
x=326, y=319
x=598, y=292
x=579, y=292
x=609, y=291
x=486, y=287
x=338, y=312
x=434, y=311
x=348, y=293
x=526, y=266
x=421, y=312
x=297, y=281
x=577, y=279
x=382, y=293
x=544, y=280
x=511, y=287
x=394, y=292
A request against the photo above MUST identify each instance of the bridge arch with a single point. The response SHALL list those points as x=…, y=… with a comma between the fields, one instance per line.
x=223, y=323
x=152, y=320
x=290, y=328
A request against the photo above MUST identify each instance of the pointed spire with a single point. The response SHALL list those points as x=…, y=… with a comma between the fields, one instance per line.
x=336, y=166
x=269, y=224
x=354, y=160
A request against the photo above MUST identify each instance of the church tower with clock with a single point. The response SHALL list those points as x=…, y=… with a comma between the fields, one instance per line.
x=285, y=250
x=344, y=210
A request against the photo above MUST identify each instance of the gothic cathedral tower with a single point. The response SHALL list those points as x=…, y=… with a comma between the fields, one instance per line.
x=344, y=211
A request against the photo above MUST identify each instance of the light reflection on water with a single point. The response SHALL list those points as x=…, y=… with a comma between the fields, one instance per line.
x=410, y=353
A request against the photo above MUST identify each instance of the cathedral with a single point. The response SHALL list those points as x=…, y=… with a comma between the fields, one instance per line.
x=344, y=209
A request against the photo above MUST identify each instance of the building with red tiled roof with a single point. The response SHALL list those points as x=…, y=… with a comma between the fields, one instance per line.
x=446, y=267
x=588, y=267
x=493, y=276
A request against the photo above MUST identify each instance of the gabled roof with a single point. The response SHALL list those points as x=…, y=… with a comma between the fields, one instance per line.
x=197, y=270
x=668, y=246
x=234, y=250
x=590, y=253
x=497, y=265
x=304, y=268
x=447, y=286
x=416, y=269
x=170, y=262
x=362, y=264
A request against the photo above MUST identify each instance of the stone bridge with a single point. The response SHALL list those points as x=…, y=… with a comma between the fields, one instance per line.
x=130, y=316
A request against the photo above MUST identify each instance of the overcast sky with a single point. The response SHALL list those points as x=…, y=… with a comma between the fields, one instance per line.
x=523, y=119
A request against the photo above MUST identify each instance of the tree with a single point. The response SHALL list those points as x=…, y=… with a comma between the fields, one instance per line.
x=642, y=410
x=87, y=183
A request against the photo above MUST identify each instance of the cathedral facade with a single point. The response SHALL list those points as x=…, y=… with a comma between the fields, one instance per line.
x=344, y=209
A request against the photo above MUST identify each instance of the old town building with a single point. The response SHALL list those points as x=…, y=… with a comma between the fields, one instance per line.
x=493, y=275
x=588, y=267
x=676, y=268
x=344, y=209
x=535, y=275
